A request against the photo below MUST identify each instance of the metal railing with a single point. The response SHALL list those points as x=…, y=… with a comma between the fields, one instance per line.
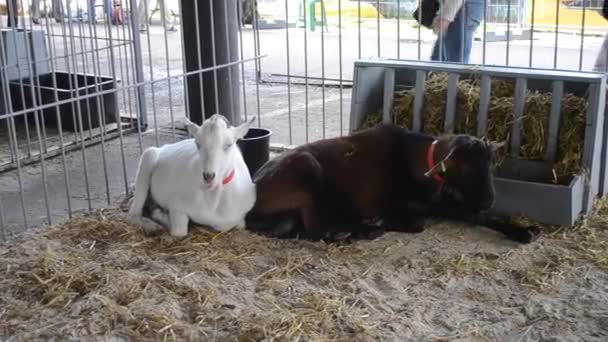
x=71, y=132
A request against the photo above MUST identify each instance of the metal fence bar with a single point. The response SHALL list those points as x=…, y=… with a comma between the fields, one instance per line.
x=213, y=56
x=306, y=71
x=229, y=56
x=583, y=17
x=518, y=111
x=117, y=115
x=554, y=119
x=557, y=6
x=288, y=67
x=13, y=131
x=419, y=100
x=103, y=92
x=532, y=16
x=243, y=66
x=450, y=107
x=323, y=69
x=341, y=85
x=257, y=63
x=484, y=104
x=151, y=72
x=163, y=11
x=66, y=174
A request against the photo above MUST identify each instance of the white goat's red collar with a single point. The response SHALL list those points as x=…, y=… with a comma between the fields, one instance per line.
x=430, y=160
x=229, y=178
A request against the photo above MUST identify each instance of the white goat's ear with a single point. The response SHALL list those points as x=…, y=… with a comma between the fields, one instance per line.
x=241, y=130
x=191, y=127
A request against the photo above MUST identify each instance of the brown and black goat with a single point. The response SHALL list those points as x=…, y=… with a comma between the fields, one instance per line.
x=327, y=189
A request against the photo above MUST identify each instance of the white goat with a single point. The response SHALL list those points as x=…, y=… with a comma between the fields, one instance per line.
x=203, y=179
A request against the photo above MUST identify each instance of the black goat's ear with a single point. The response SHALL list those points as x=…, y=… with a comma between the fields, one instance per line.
x=440, y=166
x=497, y=145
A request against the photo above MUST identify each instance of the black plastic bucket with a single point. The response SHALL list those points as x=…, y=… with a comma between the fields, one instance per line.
x=255, y=147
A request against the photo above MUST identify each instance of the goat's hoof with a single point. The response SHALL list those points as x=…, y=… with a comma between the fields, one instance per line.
x=526, y=235
x=283, y=228
x=338, y=236
x=373, y=234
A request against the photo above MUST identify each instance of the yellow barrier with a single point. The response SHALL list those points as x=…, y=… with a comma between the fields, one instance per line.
x=546, y=13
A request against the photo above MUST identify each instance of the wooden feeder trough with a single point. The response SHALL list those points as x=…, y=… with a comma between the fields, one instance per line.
x=524, y=186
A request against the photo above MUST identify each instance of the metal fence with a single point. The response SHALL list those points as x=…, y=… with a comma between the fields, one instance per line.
x=83, y=94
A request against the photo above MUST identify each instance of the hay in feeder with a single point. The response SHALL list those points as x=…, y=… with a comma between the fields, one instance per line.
x=500, y=119
x=97, y=277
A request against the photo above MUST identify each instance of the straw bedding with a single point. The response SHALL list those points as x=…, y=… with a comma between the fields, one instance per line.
x=96, y=277
x=500, y=119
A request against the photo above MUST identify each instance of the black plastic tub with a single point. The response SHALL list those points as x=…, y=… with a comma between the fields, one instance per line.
x=70, y=85
x=255, y=147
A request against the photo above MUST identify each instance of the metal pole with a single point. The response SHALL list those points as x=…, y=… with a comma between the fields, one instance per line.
x=216, y=19
x=139, y=68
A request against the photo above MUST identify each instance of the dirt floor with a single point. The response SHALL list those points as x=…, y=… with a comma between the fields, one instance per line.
x=98, y=278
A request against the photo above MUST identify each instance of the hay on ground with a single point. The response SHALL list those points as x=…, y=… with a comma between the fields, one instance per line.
x=98, y=277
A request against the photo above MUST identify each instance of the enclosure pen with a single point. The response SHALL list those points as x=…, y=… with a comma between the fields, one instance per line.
x=87, y=86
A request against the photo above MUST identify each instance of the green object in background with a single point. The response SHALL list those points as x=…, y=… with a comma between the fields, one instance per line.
x=311, y=18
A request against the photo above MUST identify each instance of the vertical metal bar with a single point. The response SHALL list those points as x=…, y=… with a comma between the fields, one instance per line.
x=127, y=36
x=358, y=25
x=229, y=60
x=151, y=73
x=399, y=29
x=484, y=105
x=450, y=107
x=52, y=58
x=485, y=31
x=306, y=74
x=419, y=29
x=419, y=100
x=593, y=139
x=389, y=90
x=257, y=66
x=378, y=23
x=340, y=65
x=199, y=58
x=323, y=72
x=243, y=67
x=2, y=224
x=79, y=127
x=13, y=130
x=580, y=51
x=518, y=112
x=114, y=86
x=213, y=56
x=508, y=31
x=163, y=12
x=41, y=149
x=554, y=119
x=463, y=8
x=184, y=64
x=288, y=65
x=557, y=5
x=101, y=108
x=532, y=32
x=142, y=110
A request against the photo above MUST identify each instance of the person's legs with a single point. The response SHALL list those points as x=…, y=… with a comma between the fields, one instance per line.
x=35, y=11
x=13, y=13
x=144, y=9
x=169, y=25
x=601, y=61
x=456, y=42
x=91, y=11
x=58, y=10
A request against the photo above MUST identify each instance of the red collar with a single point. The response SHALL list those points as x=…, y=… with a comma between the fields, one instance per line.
x=430, y=161
x=229, y=178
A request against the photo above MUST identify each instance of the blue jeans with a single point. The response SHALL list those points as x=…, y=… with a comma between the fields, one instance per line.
x=457, y=40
